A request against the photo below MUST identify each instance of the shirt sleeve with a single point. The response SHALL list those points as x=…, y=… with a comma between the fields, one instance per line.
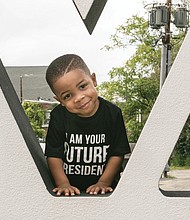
x=55, y=139
x=120, y=144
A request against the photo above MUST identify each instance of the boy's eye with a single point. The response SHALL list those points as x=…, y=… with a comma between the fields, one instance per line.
x=82, y=86
x=67, y=96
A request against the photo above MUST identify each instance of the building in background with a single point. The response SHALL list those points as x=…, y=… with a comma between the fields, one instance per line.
x=30, y=85
x=29, y=82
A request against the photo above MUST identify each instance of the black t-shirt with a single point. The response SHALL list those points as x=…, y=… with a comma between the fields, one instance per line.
x=86, y=143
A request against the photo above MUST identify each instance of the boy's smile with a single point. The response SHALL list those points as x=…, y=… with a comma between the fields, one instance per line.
x=76, y=91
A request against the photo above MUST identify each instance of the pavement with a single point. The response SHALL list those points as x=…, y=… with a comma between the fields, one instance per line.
x=177, y=180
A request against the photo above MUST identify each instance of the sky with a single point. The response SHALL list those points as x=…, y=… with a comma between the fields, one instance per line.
x=35, y=32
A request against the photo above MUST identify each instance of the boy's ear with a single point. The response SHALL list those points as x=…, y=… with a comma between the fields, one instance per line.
x=93, y=77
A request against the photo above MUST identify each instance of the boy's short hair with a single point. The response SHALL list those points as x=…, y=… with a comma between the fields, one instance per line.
x=62, y=65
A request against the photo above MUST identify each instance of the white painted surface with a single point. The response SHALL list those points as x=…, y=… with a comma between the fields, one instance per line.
x=83, y=7
x=23, y=194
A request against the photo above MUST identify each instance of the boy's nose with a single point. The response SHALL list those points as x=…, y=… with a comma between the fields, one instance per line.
x=79, y=97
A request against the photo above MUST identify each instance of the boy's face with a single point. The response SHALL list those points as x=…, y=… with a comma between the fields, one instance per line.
x=76, y=91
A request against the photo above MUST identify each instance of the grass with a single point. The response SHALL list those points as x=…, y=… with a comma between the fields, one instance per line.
x=170, y=177
x=179, y=168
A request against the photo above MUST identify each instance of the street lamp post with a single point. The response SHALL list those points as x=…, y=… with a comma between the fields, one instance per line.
x=160, y=15
x=21, y=89
x=166, y=47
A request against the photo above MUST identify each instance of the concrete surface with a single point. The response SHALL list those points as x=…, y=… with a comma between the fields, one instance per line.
x=178, y=180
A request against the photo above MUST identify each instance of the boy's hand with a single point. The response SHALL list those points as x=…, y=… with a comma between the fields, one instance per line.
x=99, y=187
x=67, y=190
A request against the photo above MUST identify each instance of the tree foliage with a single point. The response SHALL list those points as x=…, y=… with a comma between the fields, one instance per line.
x=36, y=116
x=181, y=153
x=135, y=85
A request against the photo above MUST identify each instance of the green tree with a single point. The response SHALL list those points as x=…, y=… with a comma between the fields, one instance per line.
x=181, y=153
x=135, y=85
x=36, y=116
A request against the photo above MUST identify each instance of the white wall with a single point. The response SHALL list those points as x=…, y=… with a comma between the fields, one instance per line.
x=23, y=194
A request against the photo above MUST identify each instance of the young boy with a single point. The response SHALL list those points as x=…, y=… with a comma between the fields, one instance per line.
x=86, y=139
